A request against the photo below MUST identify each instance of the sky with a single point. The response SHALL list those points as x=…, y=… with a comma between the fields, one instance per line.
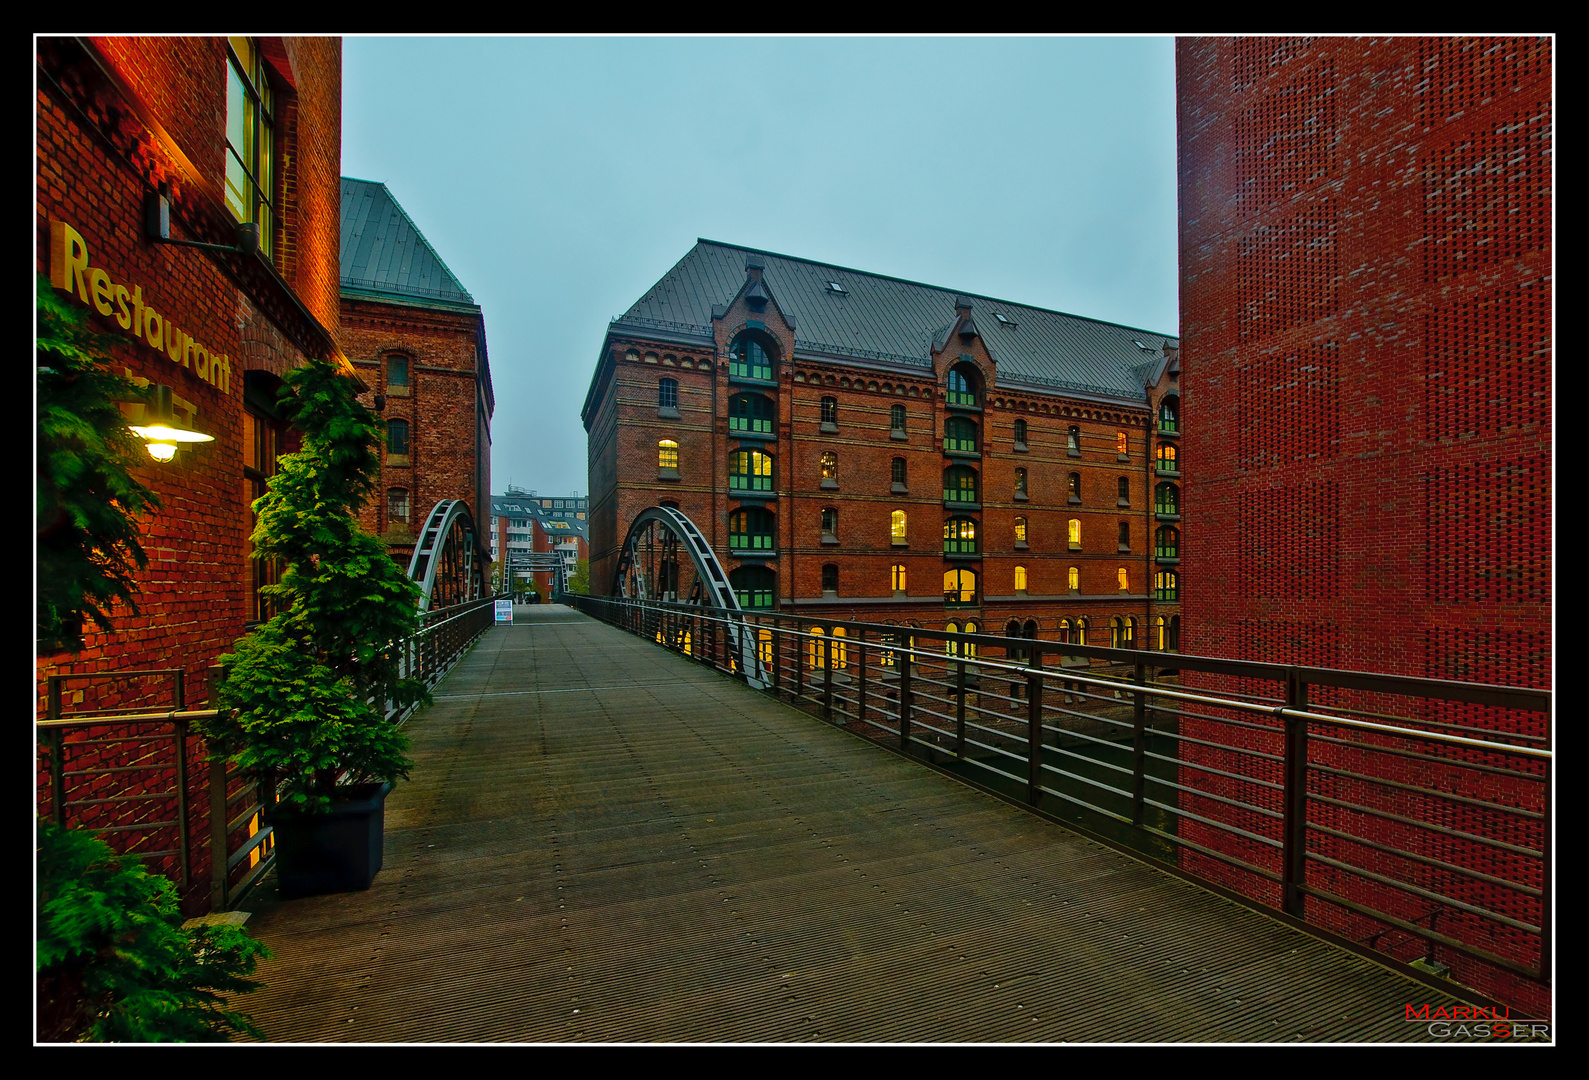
x=560, y=177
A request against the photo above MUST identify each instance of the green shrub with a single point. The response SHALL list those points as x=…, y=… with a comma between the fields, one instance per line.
x=114, y=963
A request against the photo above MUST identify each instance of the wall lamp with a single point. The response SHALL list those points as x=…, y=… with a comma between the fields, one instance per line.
x=159, y=428
x=157, y=227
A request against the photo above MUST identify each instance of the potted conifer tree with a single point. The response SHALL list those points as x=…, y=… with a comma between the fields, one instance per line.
x=303, y=699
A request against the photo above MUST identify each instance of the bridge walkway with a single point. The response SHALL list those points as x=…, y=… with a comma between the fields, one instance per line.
x=605, y=842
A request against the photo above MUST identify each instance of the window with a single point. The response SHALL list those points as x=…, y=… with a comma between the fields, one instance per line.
x=753, y=586
x=249, y=186
x=1081, y=631
x=752, y=413
x=1167, y=542
x=1064, y=631
x=1020, y=532
x=261, y=448
x=668, y=455
x=1122, y=633
x=1123, y=579
x=1125, y=536
x=397, y=504
x=959, y=587
x=1075, y=488
x=896, y=419
x=959, y=484
x=1020, y=579
x=896, y=529
x=751, y=529
x=1073, y=533
x=897, y=473
x=816, y=652
x=1123, y=491
x=397, y=376
x=830, y=577
x=1121, y=446
x=830, y=523
x=1073, y=442
x=1073, y=578
x=1169, y=414
x=959, y=536
x=748, y=359
x=959, y=435
x=898, y=575
x=1020, y=434
x=1167, y=461
x=749, y=470
x=1166, y=499
x=830, y=411
x=1166, y=585
x=961, y=386
x=830, y=469
x=1156, y=633
x=1020, y=483
x=668, y=394
x=397, y=438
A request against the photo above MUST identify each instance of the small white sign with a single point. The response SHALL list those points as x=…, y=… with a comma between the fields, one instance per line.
x=505, y=611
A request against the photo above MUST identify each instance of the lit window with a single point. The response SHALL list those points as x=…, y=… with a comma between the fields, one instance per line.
x=668, y=394
x=1167, y=542
x=1064, y=631
x=1123, y=579
x=1167, y=461
x=1020, y=530
x=249, y=185
x=959, y=536
x=1073, y=578
x=668, y=455
x=898, y=574
x=750, y=470
x=830, y=465
x=1166, y=585
x=896, y=526
x=1120, y=443
x=1020, y=579
x=1073, y=533
x=959, y=587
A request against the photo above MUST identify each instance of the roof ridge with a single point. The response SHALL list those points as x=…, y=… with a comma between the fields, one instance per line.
x=927, y=285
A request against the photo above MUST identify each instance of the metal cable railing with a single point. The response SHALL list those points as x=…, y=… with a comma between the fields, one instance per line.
x=1353, y=816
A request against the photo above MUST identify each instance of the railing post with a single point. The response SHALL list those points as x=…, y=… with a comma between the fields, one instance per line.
x=1034, y=727
x=905, y=658
x=1139, y=748
x=828, y=658
x=181, y=733
x=220, y=882
x=777, y=655
x=802, y=647
x=57, y=743
x=860, y=683
x=960, y=708
x=1293, y=871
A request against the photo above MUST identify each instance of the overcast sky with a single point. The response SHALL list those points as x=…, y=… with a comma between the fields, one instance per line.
x=559, y=178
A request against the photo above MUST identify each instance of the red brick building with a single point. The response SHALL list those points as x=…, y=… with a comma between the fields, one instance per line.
x=1366, y=320
x=858, y=446
x=210, y=133
x=417, y=339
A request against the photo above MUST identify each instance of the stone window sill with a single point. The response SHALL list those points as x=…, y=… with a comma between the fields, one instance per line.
x=1019, y=448
x=830, y=483
x=829, y=428
x=1022, y=545
x=1020, y=496
x=900, y=542
x=668, y=412
x=829, y=538
x=896, y=488
x=667, y=474
x=397, y=459
x=896, y=433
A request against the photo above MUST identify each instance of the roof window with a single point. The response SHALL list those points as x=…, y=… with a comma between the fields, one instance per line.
x=834, y=286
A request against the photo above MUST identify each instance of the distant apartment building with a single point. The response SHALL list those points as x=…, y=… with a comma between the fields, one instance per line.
x=523, y=522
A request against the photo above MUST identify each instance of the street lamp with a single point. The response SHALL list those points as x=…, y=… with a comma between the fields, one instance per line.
x=160, y=432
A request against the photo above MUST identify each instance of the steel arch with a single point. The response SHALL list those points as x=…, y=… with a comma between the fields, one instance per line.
x=648, y=569
x=444, y=563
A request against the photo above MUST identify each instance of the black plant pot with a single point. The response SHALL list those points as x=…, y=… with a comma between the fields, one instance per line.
x=339, y=851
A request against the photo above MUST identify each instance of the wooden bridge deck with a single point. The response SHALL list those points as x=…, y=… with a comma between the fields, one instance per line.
x=604, y=842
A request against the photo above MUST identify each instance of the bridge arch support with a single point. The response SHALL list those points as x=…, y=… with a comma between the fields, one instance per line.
x=446, y=563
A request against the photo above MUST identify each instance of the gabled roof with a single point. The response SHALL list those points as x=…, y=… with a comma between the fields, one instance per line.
x=879, y=318
x=384, y=253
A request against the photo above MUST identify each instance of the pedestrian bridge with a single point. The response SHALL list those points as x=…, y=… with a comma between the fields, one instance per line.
x=604, y=841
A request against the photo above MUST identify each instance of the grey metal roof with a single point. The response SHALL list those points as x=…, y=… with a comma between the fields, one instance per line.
x=384, y=252
x=896, y=321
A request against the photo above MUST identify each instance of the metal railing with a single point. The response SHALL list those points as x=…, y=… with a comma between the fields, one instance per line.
x=1402, y=814
x=145, y=782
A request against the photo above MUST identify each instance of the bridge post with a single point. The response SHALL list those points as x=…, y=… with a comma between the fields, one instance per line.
x=778, y=637
x=1139, y=748
x=960, y=705
x=1034, y=727
x=905, y=657
x=827, y=674
x=860, y=683
x=1294, y=852
x=802, y=649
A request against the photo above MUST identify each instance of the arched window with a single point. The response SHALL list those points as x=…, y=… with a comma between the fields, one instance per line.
x=751, y=529
x=1073, y=578
x=668, y=455
x=1081, y=631
x=897, y=573
x=1020, y=434
x=749, y=470
x=397, y=504
x=837, y=652
x=961, y=385
x=896, y=418
x=1075, y=489
x=969, y=648
x=1166, y=585
x=959, y=587
x=748, y=359
x=1073, y=533
x=1166, y=499
x=752, y=413
x=1073, y=442
x=959, y=484
x=1122, y=447
x=1020, y=579
x=1012, y=634
x=668, y=394
x=1174, y=644
x=1123, y=579
x=753, y=585
x=1064, y=631
x=1020, y=532
x=1020, y=483
x=1116, y=632
x=960, y=536
x=816, y=651
x=1167, y=542
x=896, y=529
x=950, y=646
x=1156, y=633
x=1123, y=487
x=1167, y=461
x=830, y=412
x=959, y=435
x=397, y=438
x=1170, y=414
x=830, y=468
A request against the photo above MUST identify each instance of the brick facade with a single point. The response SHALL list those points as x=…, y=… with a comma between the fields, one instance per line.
x=1366, y=313
x=118, y=119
